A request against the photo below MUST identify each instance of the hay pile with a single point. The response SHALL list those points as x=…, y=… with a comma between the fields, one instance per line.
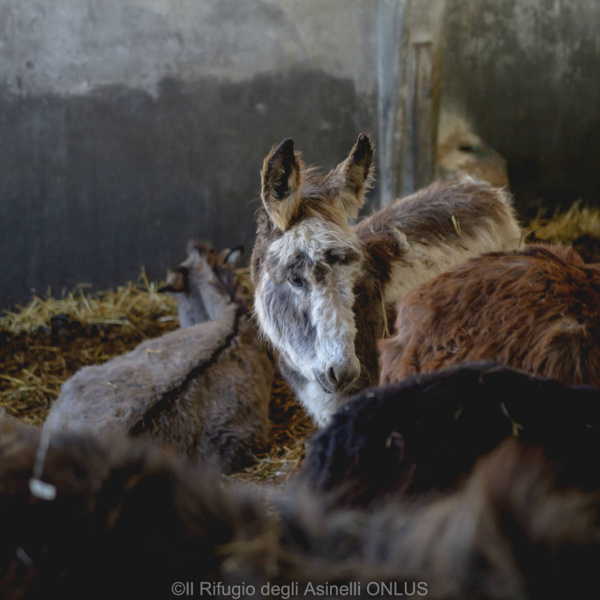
x=579, y=226
x=45, y=342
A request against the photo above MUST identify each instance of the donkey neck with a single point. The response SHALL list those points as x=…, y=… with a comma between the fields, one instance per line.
x=372, y=320
x=204, y=303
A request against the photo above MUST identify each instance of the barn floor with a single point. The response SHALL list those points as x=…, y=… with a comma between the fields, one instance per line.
x=47, y=341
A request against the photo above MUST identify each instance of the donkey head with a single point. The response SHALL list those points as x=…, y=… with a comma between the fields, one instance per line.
x=307, y=260
x=203, y=283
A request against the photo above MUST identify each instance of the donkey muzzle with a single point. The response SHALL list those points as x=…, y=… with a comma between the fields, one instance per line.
x=339, y=377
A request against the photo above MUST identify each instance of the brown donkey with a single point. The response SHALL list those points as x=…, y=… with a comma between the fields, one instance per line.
x=535, y=310
x=323, y=286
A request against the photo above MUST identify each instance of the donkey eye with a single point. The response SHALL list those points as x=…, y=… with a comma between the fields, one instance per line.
x=296, y=281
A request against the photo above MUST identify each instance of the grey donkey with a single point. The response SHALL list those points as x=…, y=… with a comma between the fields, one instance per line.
x=203, y=389
x=325, y=289
x=203, y=283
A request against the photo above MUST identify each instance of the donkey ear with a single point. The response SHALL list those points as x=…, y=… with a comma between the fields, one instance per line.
x=195, y=249
x=175, y=282
x=230, y=257
x=280, y=178
x=357, y=173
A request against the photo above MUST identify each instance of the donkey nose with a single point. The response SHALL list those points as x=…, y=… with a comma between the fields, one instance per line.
x=341, y=376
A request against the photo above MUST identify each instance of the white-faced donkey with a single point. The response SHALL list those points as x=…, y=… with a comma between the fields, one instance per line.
x=203, y=389
x=323, y=288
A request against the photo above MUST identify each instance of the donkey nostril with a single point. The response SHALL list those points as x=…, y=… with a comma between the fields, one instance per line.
x=335, y=375
x=340, y=375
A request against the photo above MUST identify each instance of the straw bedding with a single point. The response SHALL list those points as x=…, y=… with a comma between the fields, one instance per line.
x=45, y=342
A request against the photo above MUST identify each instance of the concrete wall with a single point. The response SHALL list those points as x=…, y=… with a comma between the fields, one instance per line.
x=527, y=74
x=128, y=127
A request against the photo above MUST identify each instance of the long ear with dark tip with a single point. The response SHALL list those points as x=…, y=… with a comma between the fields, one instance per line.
x=280, y=179
x=230, y=257
x=357, y=172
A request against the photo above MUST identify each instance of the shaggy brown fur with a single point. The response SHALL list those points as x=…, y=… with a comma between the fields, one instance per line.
x=425, y=217
x=536, y=310
x=128, y=521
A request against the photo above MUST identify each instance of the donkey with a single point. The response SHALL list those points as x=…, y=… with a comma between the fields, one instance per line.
x=424, y=433
x=323, y=287
x=203, y=390
x=535, y=310
x=203, y=283
x=461, y=152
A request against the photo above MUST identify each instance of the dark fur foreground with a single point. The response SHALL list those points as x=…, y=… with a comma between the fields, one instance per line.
x=426, y=432
x=129, y=522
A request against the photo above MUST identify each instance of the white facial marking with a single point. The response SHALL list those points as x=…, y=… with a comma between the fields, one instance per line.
x=326, y=298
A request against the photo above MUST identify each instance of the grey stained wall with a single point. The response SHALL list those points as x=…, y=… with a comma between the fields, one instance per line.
x=527, y=72
x=129, y=126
